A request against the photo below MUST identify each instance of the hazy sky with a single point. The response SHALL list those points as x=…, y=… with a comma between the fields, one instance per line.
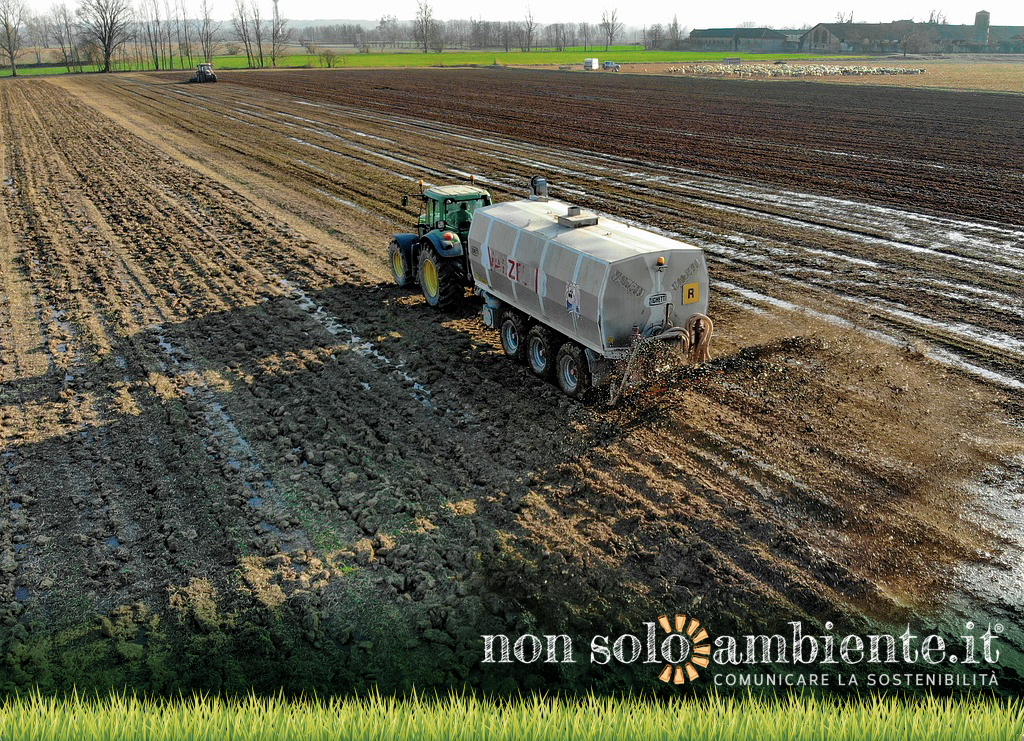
x=794, y=13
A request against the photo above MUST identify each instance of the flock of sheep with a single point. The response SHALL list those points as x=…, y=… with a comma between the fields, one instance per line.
x=788, y=70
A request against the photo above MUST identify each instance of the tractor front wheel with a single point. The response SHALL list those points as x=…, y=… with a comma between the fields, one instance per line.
x=439, y=279
x=399, y=267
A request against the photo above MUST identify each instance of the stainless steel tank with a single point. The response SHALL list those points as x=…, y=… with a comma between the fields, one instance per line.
x=596, y=280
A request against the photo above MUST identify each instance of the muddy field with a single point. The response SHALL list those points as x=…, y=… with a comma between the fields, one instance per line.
x=233, y=454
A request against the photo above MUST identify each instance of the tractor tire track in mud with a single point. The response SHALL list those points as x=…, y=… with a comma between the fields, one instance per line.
x=232, y=457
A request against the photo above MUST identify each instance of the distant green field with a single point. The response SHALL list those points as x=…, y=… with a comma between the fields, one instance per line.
x=627, y=54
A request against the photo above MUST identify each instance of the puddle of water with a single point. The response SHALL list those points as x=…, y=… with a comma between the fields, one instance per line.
x=268, y=528
x=21, y=594
x=15, y=505
x=255, y=501
x=19, y=547
x=113, y=542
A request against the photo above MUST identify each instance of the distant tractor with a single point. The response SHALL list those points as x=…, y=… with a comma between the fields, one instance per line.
x=204, y=73
x=610, y=67
x=583, y=300
x=436, y=256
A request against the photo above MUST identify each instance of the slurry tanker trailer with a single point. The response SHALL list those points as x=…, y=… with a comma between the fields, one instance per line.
x=582, y=299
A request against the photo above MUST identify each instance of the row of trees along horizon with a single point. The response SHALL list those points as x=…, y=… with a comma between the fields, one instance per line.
x=169, y=34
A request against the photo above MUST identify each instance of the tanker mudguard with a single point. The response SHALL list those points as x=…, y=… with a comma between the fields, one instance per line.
x=444, y=249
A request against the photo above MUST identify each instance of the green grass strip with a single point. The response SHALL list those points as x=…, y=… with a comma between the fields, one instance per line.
x=463, y=717
x=458, y=59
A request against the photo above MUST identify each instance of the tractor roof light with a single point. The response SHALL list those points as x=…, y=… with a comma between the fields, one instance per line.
x=448, y=236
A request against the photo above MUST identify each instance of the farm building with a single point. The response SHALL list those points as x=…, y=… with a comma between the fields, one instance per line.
x=741, y=39
x=908, y=36
x=856, y=37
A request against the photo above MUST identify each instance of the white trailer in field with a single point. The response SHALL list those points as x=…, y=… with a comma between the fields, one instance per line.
x=591, y=63
x=574, y=295
x=571, y=291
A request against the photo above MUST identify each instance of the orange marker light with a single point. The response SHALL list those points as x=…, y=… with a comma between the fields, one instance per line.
x=661, y=262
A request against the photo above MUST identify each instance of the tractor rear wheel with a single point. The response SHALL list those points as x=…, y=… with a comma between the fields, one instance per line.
x=541, y=350
x=439, y=279
x=399, y=267
x=572, y=371
x=513, y=335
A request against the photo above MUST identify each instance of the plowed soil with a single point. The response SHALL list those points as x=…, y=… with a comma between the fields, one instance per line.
x=235, y=455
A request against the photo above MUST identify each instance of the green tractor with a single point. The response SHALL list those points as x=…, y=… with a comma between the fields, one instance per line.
x=436, y=256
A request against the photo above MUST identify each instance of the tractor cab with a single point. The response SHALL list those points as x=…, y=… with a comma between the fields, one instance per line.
x=450, y=208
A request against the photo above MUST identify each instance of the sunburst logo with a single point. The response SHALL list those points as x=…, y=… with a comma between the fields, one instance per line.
x=694, y=650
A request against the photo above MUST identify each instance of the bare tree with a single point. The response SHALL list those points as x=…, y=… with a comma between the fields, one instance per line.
x=423, y=25
x=65, y=32
x=387, y=29
x=209, y=31
x=280, y=36
x=507, y=34
x=38, y=31
x=842, y=17
x=675, y=33
x=150, y=23
x=529, y=28
x=655, y=36
x=105, y=24
x=243, y=29
x=610, y=26
x=13, y=14
x=480, y=32
x=558, y=35
x=585, y=33
x=259, y=33
x=185, y=50
x=457, y=31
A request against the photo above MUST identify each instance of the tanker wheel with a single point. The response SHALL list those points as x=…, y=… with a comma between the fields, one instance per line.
x=541, y=350
x=399, y=268
x=439, y=279
x=572, y=371
x=513, y=335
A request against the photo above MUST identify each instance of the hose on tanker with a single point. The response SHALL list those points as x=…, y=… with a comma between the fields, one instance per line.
x=694, y=338
x=700, y=328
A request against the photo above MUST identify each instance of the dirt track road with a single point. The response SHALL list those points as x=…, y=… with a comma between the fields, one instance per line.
x=231, y=455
